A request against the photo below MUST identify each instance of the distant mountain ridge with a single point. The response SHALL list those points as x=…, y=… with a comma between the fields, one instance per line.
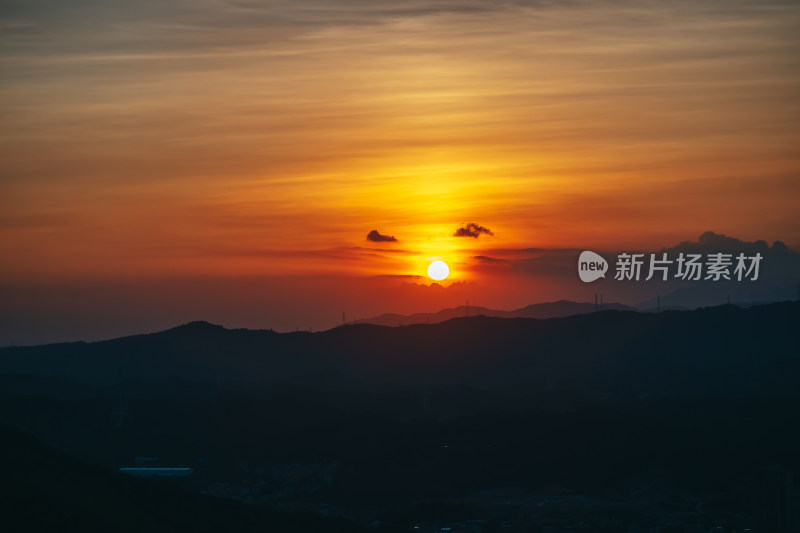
x=778, y=279
x=723, y=348
x=561, y=308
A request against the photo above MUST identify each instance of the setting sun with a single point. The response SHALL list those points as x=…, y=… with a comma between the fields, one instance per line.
x=438, y=270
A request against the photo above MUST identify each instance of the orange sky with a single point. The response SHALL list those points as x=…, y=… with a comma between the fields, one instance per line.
x=223, y=140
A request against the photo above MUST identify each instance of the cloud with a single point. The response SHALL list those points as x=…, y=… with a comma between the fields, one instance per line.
x=472, y=230
x=536, y=262
x=397, y=251
x=487, y=259
x=374, y=236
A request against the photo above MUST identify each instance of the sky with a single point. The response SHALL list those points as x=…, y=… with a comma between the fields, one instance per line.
x=165, y=161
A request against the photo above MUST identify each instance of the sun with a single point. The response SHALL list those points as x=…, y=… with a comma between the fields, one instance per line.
x=438, y=270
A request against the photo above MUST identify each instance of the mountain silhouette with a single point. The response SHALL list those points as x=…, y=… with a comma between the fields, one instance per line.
x=557, y=309
x=608, y=352
x=779, y=274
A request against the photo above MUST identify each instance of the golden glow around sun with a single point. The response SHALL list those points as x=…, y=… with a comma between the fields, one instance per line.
x=438, y=270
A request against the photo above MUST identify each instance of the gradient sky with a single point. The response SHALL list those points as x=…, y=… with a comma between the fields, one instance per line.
x=162, y=160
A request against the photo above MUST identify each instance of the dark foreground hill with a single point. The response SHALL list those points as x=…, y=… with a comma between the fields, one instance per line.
x=42, y=489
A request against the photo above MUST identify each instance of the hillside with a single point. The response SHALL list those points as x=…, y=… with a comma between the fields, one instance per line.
x=604, y=418
x=43, y=489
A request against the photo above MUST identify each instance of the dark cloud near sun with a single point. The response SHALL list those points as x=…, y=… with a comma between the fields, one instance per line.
x=472, y=230
x=375, y=236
